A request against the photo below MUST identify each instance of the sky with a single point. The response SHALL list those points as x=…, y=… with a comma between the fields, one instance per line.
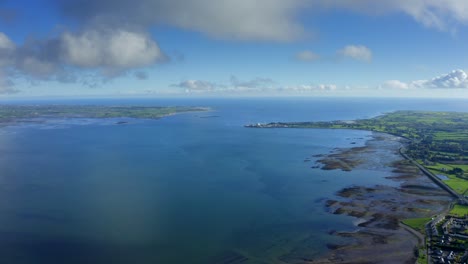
x=153, y=48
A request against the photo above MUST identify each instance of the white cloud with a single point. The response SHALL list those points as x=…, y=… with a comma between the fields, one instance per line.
x=310, y=88
x=234, y=85
x=357, y=52
x=112, y=35
x=115, y=49
x=7, y=48
x=253, y=86
x=5, y=42
x=454, y=79
x=394, y=84
x=276, y=20
x=327, y=87
x=196, y=85
x=256, y=83
x=37, y=67
x=457, y=79
x=103, y=53
x=440, y=14
x=228, y=19
x=307, y=55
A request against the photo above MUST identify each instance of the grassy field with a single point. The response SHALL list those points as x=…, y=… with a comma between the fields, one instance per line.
x=440, y=136
x=438, y=167
x=417, y=223
x=448, y=167
x=458, y=185
x=459, y=210
x=422, y=257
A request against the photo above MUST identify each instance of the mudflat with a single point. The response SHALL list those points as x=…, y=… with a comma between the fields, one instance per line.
x=379, y=237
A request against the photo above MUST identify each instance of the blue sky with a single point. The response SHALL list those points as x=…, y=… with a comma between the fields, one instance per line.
x=233, y=48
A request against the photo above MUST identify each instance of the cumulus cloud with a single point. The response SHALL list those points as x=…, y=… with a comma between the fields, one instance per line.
x=307, y=55
x=327, y=87
x=5, y=42
x=357, y=52
x=111, y=35
x=457, y=79
x=310, y=88
x=234, y=85
x=7, y=48
x=102, y=27
x=16, y=60
x=256, y=83
x=108, y=52
x=454, y=79
x=113, y=49
x=440, y=14
x=254, y=20
x=196, y=85
x=229, y=19
x=394, y=84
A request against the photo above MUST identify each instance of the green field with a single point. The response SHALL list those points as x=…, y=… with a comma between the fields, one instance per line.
x=459, y=210
x=457, y=184
x=450, y=136
x=422, y=257
x=417, y=223
x=448, y=166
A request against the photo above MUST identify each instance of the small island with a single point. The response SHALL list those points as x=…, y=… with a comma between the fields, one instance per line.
x=436, y=143
x=21, y=113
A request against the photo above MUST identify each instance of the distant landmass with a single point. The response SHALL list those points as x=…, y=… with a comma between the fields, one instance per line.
x=15, y=113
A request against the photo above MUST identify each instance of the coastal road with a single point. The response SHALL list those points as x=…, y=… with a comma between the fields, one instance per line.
x=435, y=179
x=421, y=240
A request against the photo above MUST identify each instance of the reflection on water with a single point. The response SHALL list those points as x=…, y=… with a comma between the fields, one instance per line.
x=442, y=177
x=182, y=189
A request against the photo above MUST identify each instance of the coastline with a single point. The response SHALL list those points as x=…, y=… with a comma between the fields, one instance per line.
x=15, y=115
x=379, y=209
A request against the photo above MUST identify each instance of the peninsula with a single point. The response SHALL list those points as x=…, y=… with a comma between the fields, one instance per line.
x=21, y=113
x=436, y=143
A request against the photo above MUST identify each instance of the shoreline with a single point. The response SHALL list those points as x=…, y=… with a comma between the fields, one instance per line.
x=119, y=115
x=378, y=210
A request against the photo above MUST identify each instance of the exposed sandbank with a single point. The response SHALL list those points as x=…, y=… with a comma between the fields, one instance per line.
x=378, y=237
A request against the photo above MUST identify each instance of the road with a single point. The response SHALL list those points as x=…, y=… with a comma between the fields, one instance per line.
x=434, y=178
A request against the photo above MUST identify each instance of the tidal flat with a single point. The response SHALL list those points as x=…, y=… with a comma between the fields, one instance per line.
x=379, y=209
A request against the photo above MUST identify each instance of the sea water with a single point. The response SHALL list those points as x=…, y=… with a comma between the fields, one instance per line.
x=190, y=188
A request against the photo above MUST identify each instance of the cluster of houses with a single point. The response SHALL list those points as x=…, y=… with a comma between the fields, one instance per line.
x=448, y=240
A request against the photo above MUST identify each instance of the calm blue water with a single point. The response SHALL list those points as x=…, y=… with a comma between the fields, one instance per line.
x=182, y=189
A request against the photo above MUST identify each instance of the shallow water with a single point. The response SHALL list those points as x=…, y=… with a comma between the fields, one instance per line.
x=182, y=189
x=442, y=177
